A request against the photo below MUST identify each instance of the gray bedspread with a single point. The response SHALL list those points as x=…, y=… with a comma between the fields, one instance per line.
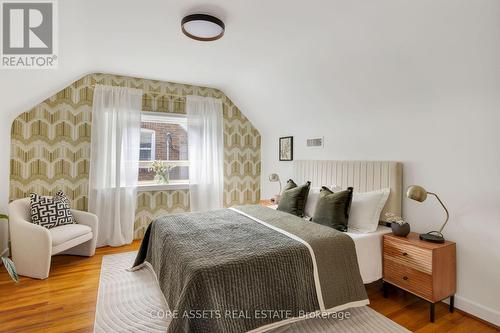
x=221, y=271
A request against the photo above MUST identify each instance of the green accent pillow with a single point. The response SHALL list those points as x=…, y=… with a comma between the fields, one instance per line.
x=333, y=209
x=293, y=199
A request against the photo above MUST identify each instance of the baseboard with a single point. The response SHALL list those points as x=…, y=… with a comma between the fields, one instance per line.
x=477, y=310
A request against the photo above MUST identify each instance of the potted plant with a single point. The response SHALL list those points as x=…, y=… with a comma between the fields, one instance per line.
x=9, y=265
x=399, y=226
x=162, y=171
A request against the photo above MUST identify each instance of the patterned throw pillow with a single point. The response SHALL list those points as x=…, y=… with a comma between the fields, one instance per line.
x=62, y=197
x=51, y=212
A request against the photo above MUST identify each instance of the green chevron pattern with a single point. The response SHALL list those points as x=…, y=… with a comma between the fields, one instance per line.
x=51, y=146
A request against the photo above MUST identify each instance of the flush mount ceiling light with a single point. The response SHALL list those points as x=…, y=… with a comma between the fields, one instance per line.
x=202, y=27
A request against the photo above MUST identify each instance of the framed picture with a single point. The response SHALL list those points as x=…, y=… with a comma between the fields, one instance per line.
x=286, y=148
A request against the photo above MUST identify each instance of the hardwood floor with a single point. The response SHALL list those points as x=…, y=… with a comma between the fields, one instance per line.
x=65, y=302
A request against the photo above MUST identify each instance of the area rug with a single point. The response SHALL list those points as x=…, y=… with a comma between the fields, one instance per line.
x=132, y=302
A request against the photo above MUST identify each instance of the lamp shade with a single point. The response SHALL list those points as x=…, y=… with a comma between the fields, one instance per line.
x=417, y=193
x=274, y=177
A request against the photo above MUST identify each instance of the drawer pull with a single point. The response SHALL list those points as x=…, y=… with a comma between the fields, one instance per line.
x=405, y=254
x=405, y=278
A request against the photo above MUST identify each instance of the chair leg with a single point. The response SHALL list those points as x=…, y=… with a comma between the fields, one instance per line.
x=452, y=303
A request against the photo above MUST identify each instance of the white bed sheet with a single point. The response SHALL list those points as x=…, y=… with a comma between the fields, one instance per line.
x=369, y=252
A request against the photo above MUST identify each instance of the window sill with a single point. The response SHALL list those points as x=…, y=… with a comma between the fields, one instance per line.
x=152, y=186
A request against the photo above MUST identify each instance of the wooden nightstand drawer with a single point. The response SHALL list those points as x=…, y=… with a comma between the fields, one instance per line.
x=408, y=255
x=425, y=269
x=412, y=280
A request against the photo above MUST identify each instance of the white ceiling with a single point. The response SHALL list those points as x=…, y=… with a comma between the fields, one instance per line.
x=281, y=56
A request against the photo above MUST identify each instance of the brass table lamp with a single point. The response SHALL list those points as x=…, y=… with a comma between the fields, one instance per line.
x=418, y=193
x=275, y=178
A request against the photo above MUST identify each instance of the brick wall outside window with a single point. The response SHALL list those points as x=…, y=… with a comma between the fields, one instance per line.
x=176, y=150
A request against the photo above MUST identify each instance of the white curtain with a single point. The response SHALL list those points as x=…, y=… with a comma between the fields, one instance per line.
x=206, y=152
x=114, y=162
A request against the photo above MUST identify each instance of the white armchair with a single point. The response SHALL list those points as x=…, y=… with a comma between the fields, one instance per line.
x=33, y=245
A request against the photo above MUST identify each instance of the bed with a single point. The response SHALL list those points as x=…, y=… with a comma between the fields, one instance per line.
x=252, y=268
x=363, y=176
x=369, y=252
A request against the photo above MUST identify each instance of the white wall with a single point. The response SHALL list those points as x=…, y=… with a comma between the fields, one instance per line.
x=423, y=89
x=415, y=81
x=453, y=152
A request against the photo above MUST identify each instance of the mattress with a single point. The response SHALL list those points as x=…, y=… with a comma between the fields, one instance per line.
x=369, y=252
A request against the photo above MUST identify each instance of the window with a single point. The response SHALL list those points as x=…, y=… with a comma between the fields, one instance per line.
x=147, y=150
x=163, y=138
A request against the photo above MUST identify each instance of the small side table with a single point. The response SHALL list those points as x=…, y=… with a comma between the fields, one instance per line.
x=268, y=203
x=427, y=270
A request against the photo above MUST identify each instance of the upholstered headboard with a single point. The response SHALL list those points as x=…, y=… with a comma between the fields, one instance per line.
x=363, y=176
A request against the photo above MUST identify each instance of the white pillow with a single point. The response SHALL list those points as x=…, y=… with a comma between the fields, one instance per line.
x=312, y=200
x=366, y=208
x=335, y=188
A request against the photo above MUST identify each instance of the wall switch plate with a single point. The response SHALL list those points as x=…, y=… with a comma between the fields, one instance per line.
x=315, y=142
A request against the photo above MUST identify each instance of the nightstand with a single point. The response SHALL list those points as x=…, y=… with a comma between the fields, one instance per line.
x=427, y=270
x=268, y=203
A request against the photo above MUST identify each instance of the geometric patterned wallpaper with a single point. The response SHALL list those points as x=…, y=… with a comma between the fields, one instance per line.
x=51, y=146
